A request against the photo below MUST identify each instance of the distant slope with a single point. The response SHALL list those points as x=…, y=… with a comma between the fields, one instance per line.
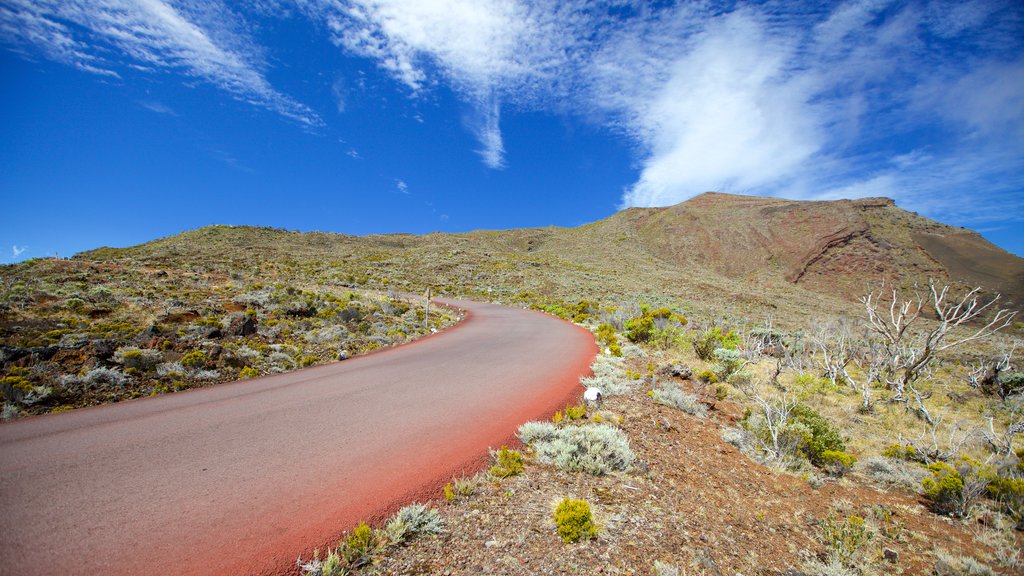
x=716, y=253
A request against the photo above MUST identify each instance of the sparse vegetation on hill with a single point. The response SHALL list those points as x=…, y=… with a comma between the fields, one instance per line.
x=76, y=333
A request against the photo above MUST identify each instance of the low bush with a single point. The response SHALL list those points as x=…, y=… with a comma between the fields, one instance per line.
x=595, y=449
x=705, y=344
x=707, y=377
x=506, y=463
x=729, y=361
x=359, y=546
x=248, y=372
x=194, y=359
x=837, y=463
x=574, y=520
x=843, y=539
x=412, y=521
x=824, y=436
x=674, y=397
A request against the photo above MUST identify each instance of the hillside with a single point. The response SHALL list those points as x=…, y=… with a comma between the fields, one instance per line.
x=771, y=256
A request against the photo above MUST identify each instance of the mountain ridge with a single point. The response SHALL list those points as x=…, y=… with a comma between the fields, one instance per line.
x=769, y=251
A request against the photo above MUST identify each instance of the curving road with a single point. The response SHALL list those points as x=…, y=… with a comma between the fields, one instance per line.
x=239, y=478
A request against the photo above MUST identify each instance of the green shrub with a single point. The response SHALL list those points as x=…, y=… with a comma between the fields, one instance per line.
x=945, y=488
x=843, y=538
x=705, y=344
x=506, y=463
x=837, y=463
x=359, y=547
x=308, y=361
x=824, y=436
x=639, y=329
x=615, y=350
x=576, y=412
x=901, y=452
x=729, y=361
x=708, y=377
x=194, y=359
x=248, y=372
x=574, y=521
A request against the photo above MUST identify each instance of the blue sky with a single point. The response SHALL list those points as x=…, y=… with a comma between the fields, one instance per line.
x=127, y=120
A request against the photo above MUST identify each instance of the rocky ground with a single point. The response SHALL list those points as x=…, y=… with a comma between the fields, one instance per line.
x=694, y=504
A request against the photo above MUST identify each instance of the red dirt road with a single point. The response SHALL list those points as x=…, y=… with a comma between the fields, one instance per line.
x=239, y=478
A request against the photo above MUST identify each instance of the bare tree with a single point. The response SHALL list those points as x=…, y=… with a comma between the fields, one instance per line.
x=835, y=346
x=776, y=413
x=1002, y=444
x=908, y=353
x=929, y=448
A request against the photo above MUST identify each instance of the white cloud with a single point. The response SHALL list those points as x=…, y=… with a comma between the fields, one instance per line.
x=402, y=187
x=338, y=91
x=16, y=252
x=490, y=51
x=158, y=107
x=152, y=34
x=722, y=112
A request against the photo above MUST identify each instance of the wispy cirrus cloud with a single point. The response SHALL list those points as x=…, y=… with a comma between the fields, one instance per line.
x=490, y=51
x=191, y=37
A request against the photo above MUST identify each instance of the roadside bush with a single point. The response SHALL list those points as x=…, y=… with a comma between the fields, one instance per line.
x=608, y=385
x=506, y=463
x=412, y=521
x=596, y=449
x=674, y=397
x=248, y=372
x=574, y=521
x=358, y=548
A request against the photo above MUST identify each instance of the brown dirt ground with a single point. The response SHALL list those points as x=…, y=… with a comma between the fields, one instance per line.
x=694, y=501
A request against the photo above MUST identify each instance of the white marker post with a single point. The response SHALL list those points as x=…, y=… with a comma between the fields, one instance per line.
x=426, y=312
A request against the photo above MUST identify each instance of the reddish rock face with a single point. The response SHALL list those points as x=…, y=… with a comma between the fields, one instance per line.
x=837, y=246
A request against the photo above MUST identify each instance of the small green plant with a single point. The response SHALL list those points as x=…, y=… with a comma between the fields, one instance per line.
x=359, y=547
x=506, y=463
x=248, y=372
x=707, y=377
x=308, y=361
x=843, y=538
x=574, y=521
x=901, y=452
x=576, y=412
x=557, y=418
x=705, y=344
x=449, y=492
x=411, y=521
x=194, y=359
